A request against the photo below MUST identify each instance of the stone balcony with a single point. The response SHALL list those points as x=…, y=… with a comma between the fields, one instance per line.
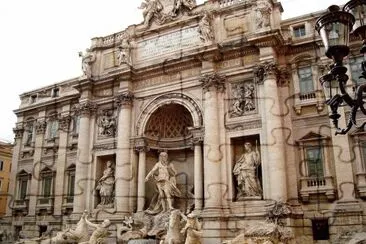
x=361, y=184
x=45, y=204
x=21, y=206
x=317, y=186
x=67, y=204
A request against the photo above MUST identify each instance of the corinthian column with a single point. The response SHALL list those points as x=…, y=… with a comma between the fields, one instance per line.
x=141, y=148
x=212, y=85
x=267, y=76
x=64, y=124
x=123, y=157
x=83, y=162
x=41, y=126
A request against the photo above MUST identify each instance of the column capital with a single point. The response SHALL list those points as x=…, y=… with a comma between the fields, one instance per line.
x=18, y=131
x=41, y=126
x=124, y=99
x=85, y=108
x=213, y=80
x=140, y=145
x=265, y=70
x=198, y=133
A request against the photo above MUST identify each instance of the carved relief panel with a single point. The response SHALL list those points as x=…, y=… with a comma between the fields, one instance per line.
x=106, y=122
x=242, y=99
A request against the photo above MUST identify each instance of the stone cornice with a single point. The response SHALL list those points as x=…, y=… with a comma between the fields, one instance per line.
x=214, y=80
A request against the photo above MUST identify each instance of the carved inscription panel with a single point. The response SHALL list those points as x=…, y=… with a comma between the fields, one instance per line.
x=168, y=43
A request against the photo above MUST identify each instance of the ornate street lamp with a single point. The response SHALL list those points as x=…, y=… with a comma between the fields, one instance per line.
x=334, y=29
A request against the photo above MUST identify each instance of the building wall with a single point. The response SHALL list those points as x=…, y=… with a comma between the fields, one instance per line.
x=284, y=119
x=5, y=163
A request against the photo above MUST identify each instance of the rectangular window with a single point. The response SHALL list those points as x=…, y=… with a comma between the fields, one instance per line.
x=299, y=31
x=55, y=92
x=47, y=185
x=306, y=80
x=314, y=161
x=356, y=69
x=53, y=128
x=71, y=183
x=1, y=165
x=32, y=99
x=23, y=188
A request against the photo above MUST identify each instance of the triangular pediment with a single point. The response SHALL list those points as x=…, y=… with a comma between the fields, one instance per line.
x=313, y=136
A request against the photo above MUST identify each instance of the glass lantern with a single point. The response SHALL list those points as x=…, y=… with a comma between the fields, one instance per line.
x=358, y=9
x=330, y=86
x=334, y=28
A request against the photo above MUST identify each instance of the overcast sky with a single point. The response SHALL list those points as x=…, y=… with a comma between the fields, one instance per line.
x=41, y=39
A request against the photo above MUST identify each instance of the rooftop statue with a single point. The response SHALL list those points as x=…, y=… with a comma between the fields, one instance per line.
x=163, y=11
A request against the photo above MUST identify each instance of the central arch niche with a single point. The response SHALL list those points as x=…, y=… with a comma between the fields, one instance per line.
x=167, y=129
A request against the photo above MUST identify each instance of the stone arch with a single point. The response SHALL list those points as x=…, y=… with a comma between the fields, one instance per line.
x=172, y=98
x=303, y=59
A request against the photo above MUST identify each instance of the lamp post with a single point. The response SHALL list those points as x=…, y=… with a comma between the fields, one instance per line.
x=334, y=28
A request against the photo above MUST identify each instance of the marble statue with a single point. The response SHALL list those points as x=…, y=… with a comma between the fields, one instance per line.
x=130, y=230
x=245, y=171
x=163, y=173
x=179, y=4
x=270, y=231
x=105, y=186
x=106, y=124
x=244, y=102
x=124, y=55
x=205, y=29
x=192, y=230
x=78, y=235
x=150, y=8
x=100, y=233
x=174, y=235
x=86, y=60
x=263, y=14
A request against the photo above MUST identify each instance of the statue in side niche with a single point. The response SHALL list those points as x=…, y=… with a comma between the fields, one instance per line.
x=105, y=186
x=263, y=14
x=245, y=171
x=163, y=174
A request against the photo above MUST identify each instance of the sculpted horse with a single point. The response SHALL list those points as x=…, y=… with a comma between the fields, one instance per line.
x=173, y=235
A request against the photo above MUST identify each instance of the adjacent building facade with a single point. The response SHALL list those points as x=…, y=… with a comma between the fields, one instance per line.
x=5, y=168
x=229, y=91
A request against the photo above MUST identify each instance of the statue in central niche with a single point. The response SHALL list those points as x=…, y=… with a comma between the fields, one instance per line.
x=163, y=173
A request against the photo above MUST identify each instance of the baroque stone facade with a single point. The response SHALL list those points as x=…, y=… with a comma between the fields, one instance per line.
x=231, y=137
